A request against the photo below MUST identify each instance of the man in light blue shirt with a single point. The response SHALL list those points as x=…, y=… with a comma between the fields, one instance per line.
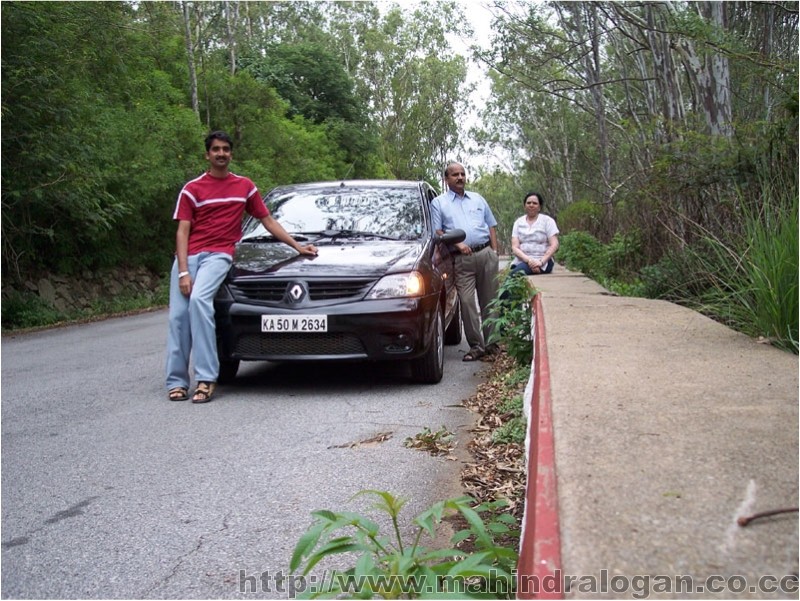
x=476, y=261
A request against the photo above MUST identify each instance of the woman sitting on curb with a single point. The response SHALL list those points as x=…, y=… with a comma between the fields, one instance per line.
x=534, y=239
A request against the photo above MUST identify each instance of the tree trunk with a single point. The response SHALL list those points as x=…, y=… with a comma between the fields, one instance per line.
x=710, y=76
x=229, y=29
x=187, y=32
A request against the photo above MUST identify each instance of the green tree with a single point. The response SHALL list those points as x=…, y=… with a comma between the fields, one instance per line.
x=85, y=115
x=318, y=88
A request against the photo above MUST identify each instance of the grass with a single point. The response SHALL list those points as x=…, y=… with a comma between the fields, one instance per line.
x=746, y=278
x=754, y=279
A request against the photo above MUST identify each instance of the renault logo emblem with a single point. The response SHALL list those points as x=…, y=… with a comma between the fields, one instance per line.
x=296, y=292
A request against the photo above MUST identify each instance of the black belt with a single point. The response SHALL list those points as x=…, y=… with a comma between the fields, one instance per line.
x=478, y=247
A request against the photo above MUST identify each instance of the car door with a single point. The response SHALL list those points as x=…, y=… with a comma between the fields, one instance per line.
x=443, y=261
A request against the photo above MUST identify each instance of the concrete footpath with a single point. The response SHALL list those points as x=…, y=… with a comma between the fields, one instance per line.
x=667, y=427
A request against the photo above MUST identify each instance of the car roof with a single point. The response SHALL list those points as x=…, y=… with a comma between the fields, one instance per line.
x=351, y=183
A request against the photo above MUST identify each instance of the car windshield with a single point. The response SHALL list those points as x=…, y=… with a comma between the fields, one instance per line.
x=384, y=212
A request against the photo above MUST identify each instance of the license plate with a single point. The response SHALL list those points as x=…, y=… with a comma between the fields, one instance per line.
x=294, y=323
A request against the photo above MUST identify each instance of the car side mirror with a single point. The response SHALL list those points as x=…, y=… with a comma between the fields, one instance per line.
x=451, y=237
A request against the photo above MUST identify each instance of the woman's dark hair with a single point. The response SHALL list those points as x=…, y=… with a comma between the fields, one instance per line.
x=218, y=135
x=537, y=195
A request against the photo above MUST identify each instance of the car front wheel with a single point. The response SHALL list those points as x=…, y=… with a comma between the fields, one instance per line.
x=429, y=368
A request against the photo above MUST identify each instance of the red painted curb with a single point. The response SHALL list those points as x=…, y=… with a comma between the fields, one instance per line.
x=539, y=566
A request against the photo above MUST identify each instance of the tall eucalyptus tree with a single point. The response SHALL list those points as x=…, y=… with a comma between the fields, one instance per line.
x=675, y=91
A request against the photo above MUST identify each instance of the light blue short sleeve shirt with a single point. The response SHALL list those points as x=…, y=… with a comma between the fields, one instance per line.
x=470, y=213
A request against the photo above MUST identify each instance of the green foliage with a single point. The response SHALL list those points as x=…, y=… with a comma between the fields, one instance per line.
x=581, y=251
x=317, y=88
x=513, y=428
x=512, y=431
x=748, y=280
x=311, y=79
x=770, y=297
x=417, y=87
x=512, y=404
x=615, y=265
x=394, y=566
x=516, y=377
x=86, y=167
x=675, y=277
x=511, y=317
x=580, y=215
x=28, y=310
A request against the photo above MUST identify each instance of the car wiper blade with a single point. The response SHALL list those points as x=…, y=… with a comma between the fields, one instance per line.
x=271, y=238
x=352, y=234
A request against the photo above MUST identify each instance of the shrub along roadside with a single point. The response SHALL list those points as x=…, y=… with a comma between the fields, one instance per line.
x=748, y=281
x=28, y=310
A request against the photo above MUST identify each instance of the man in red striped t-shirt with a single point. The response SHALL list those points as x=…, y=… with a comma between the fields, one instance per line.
x=209, y=215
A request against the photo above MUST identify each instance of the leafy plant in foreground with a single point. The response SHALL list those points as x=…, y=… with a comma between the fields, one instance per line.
x=392, y=567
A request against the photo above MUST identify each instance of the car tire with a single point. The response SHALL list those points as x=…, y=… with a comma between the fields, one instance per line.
x=452, y=334
x=227, y=371
x=429, y=368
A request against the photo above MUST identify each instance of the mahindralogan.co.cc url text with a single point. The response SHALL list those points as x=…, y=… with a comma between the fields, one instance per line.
x=636, y=587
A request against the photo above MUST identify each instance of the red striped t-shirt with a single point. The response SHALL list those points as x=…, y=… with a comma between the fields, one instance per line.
x=215, y=207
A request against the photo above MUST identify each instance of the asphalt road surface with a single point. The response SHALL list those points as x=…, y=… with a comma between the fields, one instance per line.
x=111, y=491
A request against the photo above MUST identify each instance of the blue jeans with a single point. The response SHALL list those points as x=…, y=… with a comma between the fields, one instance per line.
x=523, y=269
x=191, y=320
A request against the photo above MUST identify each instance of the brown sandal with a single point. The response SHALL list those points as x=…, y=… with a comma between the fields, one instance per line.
x=179, y=393
x=204, y=392
x=473, y=355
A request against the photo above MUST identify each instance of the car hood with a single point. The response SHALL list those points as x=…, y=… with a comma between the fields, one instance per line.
x=358, y=259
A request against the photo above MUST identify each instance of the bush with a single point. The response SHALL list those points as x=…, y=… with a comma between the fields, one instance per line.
x=623, y=256
x=580, y=216
x=749, y=281
x=581, y=251
x=28, y=310
x=511, y=317
x=753, y=280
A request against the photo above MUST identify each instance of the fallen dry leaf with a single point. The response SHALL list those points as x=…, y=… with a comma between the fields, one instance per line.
x=379, y=437
x=497, y=470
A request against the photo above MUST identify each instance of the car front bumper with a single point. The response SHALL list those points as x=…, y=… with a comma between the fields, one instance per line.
x=366, y=330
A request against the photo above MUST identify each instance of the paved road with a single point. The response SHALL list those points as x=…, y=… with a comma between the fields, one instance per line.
x=111, y=491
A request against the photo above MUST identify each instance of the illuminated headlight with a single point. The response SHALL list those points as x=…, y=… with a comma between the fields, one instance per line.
x=399, y=285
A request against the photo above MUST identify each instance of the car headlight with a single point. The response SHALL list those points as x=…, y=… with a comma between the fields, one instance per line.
x=400, y=285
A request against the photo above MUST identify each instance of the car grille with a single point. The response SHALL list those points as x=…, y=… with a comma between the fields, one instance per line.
x=260, y=345
x=274, y=291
